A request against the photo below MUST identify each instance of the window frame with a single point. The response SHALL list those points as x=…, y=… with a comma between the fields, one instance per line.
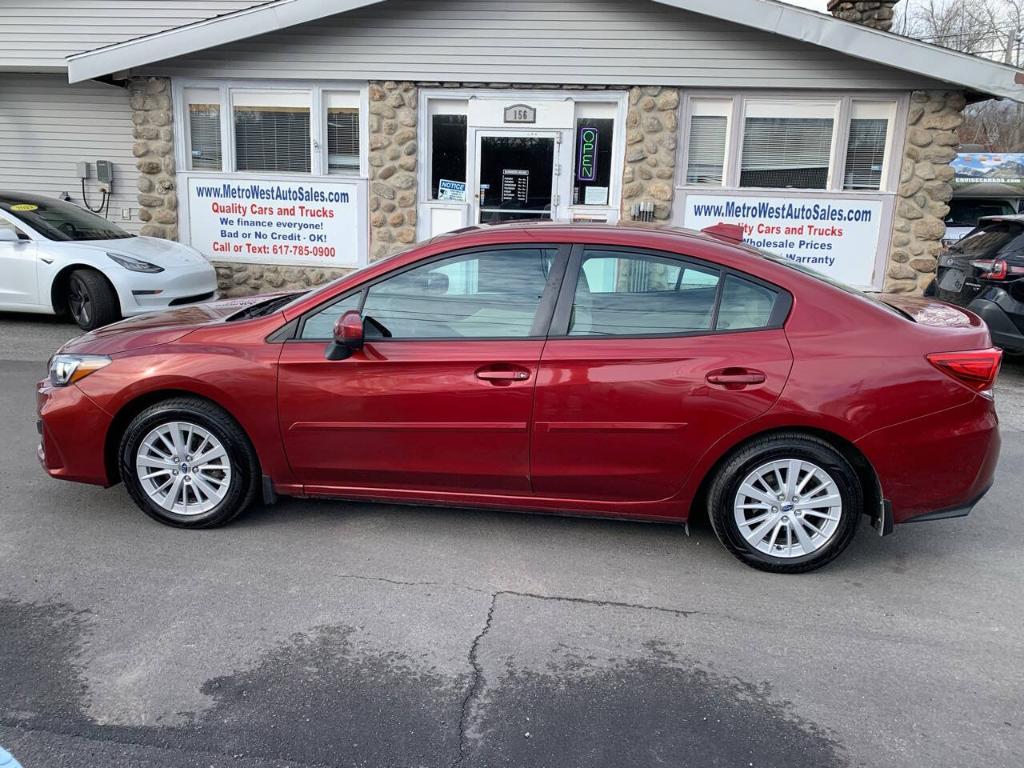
x=541, y=321
x=316, y=92
x=559, y=327
x=842, y=105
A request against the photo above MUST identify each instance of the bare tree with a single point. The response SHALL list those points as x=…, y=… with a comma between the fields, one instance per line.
x=993, y=29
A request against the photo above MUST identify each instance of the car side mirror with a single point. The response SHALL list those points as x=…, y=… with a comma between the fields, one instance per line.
x=348, y=336
x=8, y=235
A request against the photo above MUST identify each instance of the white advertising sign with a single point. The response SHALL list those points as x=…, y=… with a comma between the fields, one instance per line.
x=277, y=222
x=835, y=236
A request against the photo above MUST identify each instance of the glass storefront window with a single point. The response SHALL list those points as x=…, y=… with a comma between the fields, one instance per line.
x=787, y=145
x=272, y=131
x=709, y=132
x=447, y=152
x=203, y=106
x=342, y=114
x=865, y=150
x=592, y=164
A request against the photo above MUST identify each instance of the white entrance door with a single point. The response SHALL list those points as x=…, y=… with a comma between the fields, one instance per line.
x=517, y=176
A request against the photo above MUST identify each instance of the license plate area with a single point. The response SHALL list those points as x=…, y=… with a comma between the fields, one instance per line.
x=952, y=280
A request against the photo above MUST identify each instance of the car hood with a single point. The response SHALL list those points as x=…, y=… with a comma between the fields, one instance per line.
x=155, y=250
x=158, y=327
x=930, y=312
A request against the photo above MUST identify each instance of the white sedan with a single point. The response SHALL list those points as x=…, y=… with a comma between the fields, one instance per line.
x=57, y=258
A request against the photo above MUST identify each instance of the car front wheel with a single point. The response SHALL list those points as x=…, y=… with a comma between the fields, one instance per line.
x=91, y=301
x=786, y=503
x=188, y=464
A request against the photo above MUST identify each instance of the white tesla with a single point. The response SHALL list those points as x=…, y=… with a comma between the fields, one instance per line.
x=57, y=258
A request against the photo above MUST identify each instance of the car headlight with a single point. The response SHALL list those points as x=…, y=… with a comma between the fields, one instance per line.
x=133, y=264
x=67, y=369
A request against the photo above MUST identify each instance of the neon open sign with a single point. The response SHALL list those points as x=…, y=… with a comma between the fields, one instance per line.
x=586, y=168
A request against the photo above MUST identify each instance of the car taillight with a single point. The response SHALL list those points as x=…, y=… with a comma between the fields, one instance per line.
x=996, y=269
x=975, y=368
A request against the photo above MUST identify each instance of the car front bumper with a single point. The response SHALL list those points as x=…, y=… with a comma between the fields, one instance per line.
x=72, y=434
x=140, y=292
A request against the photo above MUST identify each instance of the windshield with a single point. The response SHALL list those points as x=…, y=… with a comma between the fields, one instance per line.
x=966, y=213
x=56, y=220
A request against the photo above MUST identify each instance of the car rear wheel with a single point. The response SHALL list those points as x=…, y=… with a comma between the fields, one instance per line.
x=91, y=301
x=187, y=464
x=786, y=503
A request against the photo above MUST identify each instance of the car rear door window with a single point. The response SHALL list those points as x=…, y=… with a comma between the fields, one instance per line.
x=622, y=293
x=745, y=305
x=492, y=294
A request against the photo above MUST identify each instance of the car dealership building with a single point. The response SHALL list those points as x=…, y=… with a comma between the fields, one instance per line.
x=292, y=140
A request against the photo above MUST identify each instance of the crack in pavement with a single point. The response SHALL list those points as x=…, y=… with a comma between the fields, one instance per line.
x=600, y=603
x=477, y=683
x=478, y=679
x=517, y=593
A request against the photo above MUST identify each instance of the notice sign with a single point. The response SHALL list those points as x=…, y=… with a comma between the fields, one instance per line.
x=515, y=185
x=451, y=190
x=275, y=222
x=835, y=236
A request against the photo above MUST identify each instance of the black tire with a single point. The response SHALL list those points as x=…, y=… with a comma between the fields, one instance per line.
x=245, y=471
x=91, y=301
x=726, y=485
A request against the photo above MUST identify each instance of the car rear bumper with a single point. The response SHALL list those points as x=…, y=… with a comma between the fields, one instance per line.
x=997, y=308
x=72, y=432
x=939, y=465
x=962, y=510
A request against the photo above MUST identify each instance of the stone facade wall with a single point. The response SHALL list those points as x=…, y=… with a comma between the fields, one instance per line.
x=925, y=189
x=235, y=279
x=652, y=124
x=877, y=14
x=393, y=151
x=153, y=131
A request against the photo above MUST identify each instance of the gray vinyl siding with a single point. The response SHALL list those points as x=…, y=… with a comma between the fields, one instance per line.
x=47, y=125
x=36, y=35
x=536, y=41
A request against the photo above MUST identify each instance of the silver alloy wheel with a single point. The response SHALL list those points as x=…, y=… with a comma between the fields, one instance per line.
x=788, y=508
x=183, y=468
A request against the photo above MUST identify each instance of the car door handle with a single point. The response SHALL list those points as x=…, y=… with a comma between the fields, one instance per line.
x=504, y=374
x=736, y=378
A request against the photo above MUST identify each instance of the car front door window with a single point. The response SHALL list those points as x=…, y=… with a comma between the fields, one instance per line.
x=492, y=294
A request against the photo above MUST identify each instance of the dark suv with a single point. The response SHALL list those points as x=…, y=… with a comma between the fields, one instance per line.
x=985, y=273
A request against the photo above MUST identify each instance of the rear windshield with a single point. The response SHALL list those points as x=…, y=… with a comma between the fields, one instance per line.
x=56, y=220
x=789, y=263
x=966, y=213
x=991, y=240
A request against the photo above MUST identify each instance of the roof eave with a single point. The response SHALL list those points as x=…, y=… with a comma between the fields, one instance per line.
x=201, y=35
x=959, y=70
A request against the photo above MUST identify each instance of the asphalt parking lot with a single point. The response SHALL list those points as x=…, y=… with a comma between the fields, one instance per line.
x=334, y=634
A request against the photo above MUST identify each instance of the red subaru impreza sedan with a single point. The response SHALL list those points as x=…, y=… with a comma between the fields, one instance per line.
x=606, y=371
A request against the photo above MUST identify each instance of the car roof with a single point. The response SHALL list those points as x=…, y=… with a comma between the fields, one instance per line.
x=17, y=197
x=563, y=230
